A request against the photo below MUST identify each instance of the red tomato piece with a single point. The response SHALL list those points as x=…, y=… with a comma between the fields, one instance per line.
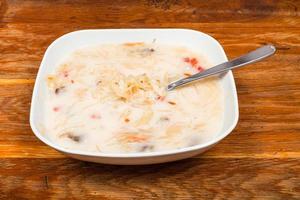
x=186, y=59
x=95, y=116
x=200, y=69
x=160, y=98
x=55, y=109
x=194, y=61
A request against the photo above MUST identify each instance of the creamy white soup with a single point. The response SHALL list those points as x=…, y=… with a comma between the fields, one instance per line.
x=112, y=98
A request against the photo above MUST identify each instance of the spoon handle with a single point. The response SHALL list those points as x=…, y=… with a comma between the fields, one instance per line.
x=246, y=59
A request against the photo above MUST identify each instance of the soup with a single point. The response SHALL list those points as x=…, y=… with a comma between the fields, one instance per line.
x=112, y=98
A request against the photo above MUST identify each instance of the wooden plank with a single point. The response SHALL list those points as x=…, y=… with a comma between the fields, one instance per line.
x=16, y=81
x=268, y=127
x=153, y=12
x=188, y=179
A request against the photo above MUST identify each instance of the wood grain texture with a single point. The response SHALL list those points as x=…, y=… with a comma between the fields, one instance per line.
x=259, y=160
x=187, y=179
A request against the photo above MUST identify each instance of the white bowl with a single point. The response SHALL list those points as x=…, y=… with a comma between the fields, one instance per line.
x=194, y=40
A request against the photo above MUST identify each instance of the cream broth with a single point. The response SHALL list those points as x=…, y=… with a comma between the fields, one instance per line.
x=112, y=98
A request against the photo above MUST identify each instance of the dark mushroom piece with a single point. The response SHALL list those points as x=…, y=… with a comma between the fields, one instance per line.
x=59, y=90
x=146, y=51
x=71, y=136
x=164, y=118
x=146, y=148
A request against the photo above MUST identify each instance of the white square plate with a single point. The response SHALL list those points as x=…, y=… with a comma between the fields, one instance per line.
x=194, y=40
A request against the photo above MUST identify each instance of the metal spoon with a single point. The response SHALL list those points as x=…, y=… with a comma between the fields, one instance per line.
x=251, y=57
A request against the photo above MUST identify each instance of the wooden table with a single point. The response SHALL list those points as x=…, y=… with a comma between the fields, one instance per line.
x=260, y=159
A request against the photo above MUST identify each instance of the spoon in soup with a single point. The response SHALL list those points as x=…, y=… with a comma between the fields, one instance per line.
x=251, y=57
